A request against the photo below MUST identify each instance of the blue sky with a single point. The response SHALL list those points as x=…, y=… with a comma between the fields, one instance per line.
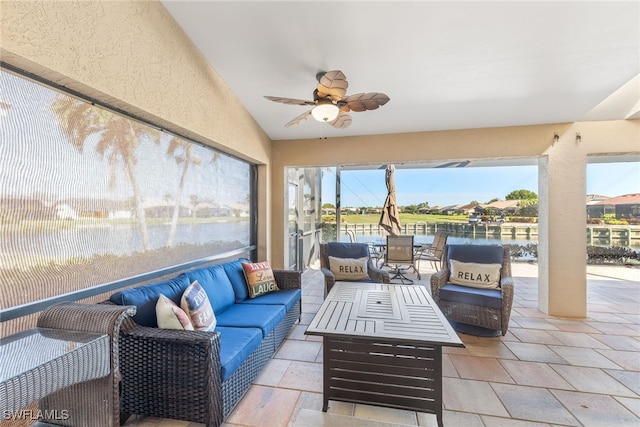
x=452, y=186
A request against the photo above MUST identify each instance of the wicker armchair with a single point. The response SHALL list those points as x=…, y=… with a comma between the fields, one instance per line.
x=80, y=399
x=484, y=308
x=348, y=250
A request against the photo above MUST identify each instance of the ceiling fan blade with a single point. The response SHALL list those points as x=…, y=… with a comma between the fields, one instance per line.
x=333, y=84
x=365, y=101
x=301, y=118
x=343, y=121
x=290, y=101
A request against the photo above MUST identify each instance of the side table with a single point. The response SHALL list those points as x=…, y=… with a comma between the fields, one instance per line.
x=37, y=362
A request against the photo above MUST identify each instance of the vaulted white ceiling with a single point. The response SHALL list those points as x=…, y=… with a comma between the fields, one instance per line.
x=445, y=65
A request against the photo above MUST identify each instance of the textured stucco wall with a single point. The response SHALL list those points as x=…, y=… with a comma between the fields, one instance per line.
x=133, y=56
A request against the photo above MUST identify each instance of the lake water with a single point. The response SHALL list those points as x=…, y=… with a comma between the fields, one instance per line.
x=122, y=239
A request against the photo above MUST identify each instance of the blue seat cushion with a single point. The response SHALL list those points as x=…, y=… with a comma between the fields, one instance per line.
x=216, y=284
x=236, y=344
x=146, y=297
x=286, y=297
x=262, y=316
x=347, y=250
x=235, y=272
x=474, y=296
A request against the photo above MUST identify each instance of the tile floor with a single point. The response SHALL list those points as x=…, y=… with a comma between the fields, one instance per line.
x=546, y=371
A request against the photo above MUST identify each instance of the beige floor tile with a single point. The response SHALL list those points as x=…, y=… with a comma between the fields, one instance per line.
x=628, y=378
x=510, y=422
x=629, y=360
x=303, y=376
x=596, y=410
x=453, y=418
x=619, y=342
x=448, y=370
x=632, y=405
x=534, y=336
x=535, y=374
x=577, y=339
x=299, y=350
x=389, y=415
x=533, y=403
x=592, y=380
x=273, y=372
x=464, y=395
x=480, y=368
x=584, y=357
x=534, y=353
x=265, y=406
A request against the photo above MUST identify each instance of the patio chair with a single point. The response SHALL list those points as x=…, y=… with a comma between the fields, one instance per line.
x=474, y=289
x=433, y=252
x=399, y=257
x=356, y=263
x=376, y=252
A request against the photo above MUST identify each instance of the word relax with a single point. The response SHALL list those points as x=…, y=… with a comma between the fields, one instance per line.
x=474, y=277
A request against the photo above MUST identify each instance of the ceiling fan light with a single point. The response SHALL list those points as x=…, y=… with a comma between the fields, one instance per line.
x=325, y=112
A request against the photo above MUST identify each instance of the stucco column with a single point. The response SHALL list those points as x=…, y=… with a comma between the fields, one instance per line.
x=562, y=282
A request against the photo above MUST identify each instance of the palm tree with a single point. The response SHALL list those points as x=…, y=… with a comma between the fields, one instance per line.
x=194, y=203
x=118, y=140
x=180, y=150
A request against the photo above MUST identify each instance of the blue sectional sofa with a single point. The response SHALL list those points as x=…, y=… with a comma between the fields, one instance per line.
x=196, y=375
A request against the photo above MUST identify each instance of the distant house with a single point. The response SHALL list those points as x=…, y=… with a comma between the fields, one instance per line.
x=504, y=207
x=452, y=210
x=64, y=211
x=625, y=206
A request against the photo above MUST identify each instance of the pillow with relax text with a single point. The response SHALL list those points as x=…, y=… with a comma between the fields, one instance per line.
x=475, y=275
x=260, y=278
x=196, y=304
x=349, y=268
x=170, y=316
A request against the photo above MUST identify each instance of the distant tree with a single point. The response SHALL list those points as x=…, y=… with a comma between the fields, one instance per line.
x=474, y=203
x=114, y=137
x=495, y=199
x=328, y=206
x=521, y=195
x=423, y=205
x=412, y=209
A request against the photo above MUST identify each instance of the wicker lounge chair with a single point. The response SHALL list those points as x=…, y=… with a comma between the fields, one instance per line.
x=488, y=309
x=348, y=250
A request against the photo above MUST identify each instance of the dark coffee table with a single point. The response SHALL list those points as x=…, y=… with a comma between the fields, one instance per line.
x=382, y=345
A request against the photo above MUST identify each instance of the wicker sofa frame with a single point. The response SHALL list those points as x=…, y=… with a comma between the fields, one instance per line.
x=176, y=374
x=478, y=315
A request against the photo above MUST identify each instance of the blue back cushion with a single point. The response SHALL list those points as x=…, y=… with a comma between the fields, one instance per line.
x=235, y=272
x=216, y=284
x=482, y=254
x=146, y=297
x=347, y=250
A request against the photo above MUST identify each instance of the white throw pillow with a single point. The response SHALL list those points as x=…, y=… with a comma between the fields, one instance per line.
x=170, y=316
x=349, y=268
x=475, y=275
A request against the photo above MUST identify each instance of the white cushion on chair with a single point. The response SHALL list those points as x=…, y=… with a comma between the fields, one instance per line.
x=349, y=268
x=476, y=275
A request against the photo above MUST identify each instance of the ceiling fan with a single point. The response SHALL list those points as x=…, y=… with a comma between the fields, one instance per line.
x=330, y=103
